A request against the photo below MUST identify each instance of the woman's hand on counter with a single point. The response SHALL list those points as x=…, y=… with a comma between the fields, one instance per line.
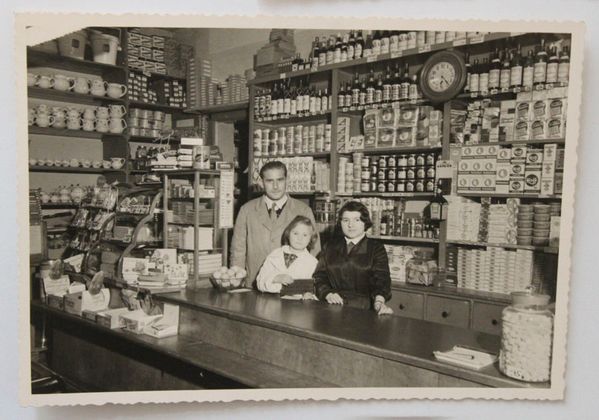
x=380, y=307
x=334, y=299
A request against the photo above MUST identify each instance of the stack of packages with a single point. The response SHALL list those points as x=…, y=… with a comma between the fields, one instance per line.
x=304, y=174
x=501, y=227
x=145, y=52
x=207, y=263
x=176, y=58
x=35, y=221
x=181, y=237
x=406, y=126
x=345, y=176
x=199, y=81
x=496, y=269
x=170, y=92
x=398, y=256
x=463, y=219
x=281, y=46
x=237, y=90
x=138, y=88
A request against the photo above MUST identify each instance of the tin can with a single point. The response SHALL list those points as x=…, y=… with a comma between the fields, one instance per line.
x=382, y=174
x=420, y=173
x=420, y=159
x=401, y=173
x=365, y=186
x=290, y=140
x=430, y=159
x=430, y=171
x=411, y=172
x=411, y=160
x=429, y=185
x=273, y=144
x=306, y=139
x=402, y=161
x=391, y=174
x=265, y=141
x=297, y=143
x=420, y=38
x=257, y=143
x=400, y=186
x=381, y=187
x=365, y=161
x=327, y=137
x=312, y=139
x=282, y=140
x=392, y=161
x=410, y=186
x=390, y=186
x=374, y=168
x=419, y=185
x=365, y=174
x=383, y=161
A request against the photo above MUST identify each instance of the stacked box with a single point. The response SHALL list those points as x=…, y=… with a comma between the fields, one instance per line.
x=498, y=223
x=518, y=169
x=490, y=124
x=477, y=169
x=507, y=118
x=463, y=219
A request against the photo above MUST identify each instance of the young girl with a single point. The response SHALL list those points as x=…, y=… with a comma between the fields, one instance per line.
x=293, y=260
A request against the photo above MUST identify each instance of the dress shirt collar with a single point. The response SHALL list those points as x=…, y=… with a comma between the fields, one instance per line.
x=355, y=241
x=288, y=250
x=278, y=204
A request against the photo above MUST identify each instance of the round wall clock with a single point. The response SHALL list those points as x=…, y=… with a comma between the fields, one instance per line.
x=443, y=76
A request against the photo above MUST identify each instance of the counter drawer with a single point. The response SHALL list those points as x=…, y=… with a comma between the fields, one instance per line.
x=409, y=305
x=487, y=318
x=448, y=311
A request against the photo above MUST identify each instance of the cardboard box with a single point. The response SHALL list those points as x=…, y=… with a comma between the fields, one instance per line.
x=519, y=153
x=540, y=110
x=522, y=130
x=111, y=318
x=558, y=108
x=556, y=128
x=549, y=152
x=408, y=116
x=76, y=303
x=523, y=111
x=538, y=129
x=136, y=321
x=405, y=136
x=55, y=301
x=516, y=185
x=385, y=137
x=532, y=180
x=534, y=157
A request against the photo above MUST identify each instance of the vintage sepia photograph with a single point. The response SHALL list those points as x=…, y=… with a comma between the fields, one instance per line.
x=279, y=208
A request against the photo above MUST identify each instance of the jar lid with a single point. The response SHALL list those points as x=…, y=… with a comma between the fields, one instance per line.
x=528, y=298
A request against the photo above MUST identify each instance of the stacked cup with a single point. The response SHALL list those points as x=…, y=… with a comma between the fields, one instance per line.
x=542, y=222
x=43, y=117
x=89, y=119
x=73, y=118
x=525, y=223
x=60, y=116
x=117, y=123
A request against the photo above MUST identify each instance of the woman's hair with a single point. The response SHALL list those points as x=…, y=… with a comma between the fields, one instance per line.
x=354, y=206
x=297, y=221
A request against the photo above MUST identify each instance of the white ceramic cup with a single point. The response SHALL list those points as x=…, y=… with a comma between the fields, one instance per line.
x=117, y=125
x=101, y=125
x=45, y=82
x=88, y=125
x=62, y=82
x=116, y=90
x=74, y=123
x=98, y=87
x=102, y=112
x=44, y=120
x=117, y=111
x=89, y=113
x=81, y=85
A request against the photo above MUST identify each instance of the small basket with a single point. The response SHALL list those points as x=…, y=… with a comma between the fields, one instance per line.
x=222, y=288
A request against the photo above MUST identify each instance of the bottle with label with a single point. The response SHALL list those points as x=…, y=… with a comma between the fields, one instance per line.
x=351, y=43
x=359, y=46
x=370, y=88
x=356, y=91
x=363, y=93
x=315, y=103
x=315, y=52
x=299, y=99
x=274, y=102
x=341, y=96
x=483, y=76
x=404, y=93
x=344, y=47
x=308, y=94
x=376, y=43
x=287, y=100
x=396, y=84
x=504, y=75
x=330, y=50
x=367, y=52
x=516, y=69
x=474, y=77
x=296, y=62
x=385, y=42
x=552, y=67
x=293, y=101
x=414, y=90
x=322, y=53
x=378, y=90
x=468, y=73
x=281, y=100
x=348, y=94
x=337, y=50
x=387, y=86
x=528, y=71
x=563, y=70
x=494, y=70
x=324, y=101
x=540, y=73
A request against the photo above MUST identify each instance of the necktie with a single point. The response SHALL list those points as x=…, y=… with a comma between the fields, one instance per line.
x=289, y=258
x=350, y=246
x=273, y=214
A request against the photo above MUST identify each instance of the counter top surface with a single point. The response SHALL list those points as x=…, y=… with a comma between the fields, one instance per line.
x=457, y=292
x=396, y=338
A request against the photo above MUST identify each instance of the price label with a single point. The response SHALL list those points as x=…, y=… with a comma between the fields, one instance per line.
x=459, y=42
x=282, y=76
x=372, y=58
x=424, y=48
x=396, y=54
x=477, y=39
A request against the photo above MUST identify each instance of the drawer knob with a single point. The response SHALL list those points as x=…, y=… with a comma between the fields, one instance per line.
x=401, y=306
x=494, y=322
x=444, y=314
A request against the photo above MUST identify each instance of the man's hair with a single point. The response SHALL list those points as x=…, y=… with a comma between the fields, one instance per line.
x=274, y=164
x=355, y=206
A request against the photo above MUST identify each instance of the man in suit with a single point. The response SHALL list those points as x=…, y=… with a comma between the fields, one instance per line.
x=261, y=221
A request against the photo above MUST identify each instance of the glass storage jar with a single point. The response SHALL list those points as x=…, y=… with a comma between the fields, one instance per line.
x=526, y=338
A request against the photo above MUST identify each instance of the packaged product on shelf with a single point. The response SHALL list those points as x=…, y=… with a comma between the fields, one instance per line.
x=386, y=118
x=490, y=125
x=538, y=130
x=343, y=129
x=524, y=111
x=540, y=109
x=408, y=116
x=385, y=137
x=405, y=136
x=557, y=108
x=556, y=128
x=507, y=117
x=522, y=130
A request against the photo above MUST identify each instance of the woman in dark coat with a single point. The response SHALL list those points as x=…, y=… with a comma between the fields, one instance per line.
x=354, y=269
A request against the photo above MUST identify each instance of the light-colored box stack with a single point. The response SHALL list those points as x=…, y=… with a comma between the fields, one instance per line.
x=463, y=219
x=517, y=169
x=343, y=129
x=541, y=114
x=490, y=124
x=322, y=172
x=498, y=224
x=477, y=169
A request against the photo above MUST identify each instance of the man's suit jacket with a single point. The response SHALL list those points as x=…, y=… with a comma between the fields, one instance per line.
x=255, y=236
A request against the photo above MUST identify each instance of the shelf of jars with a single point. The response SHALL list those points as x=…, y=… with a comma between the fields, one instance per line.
x=560, y=140
x=424, y=48
x=316, y=155
x=404, y=239
x=359, y=109
x=510, y=195
x=69, y=96
x=70, y=170
x=291, y=119
x=545, y=249
x=396, y=149
x=386, y=194
x=36, y=58
x=155, y=106
x=214, y=109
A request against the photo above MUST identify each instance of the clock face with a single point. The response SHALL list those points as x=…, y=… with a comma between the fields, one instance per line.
x=441, y=76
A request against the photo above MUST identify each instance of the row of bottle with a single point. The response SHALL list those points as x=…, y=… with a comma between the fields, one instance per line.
x=144, y=155
x=508, y=69
x=390, y=86
x=287, y=99
x=359, y=43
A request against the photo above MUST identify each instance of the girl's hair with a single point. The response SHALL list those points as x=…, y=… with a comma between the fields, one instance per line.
x=354, y=206
x=304, y=221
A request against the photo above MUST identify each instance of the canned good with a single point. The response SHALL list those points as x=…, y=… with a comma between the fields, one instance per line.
x=421, y=38
x=430, y=171
x=410, y=186
x=374, y=168
x=381, y=187
x=430, y=159
x=390, y=186
x=420, y=173
x=290, y=139
x=400, y=186
x=411, y=160
x=365, y=161
x=391, y=174
x=382, y=161
x=306, y=139
x=420, y=185
x=411, y=172
x=392, y=161
x=420, y=159
x=366, y=186
x=365, y=175
x=429, y=185
x=402, y=161
x=401, y=173
x=382, y=174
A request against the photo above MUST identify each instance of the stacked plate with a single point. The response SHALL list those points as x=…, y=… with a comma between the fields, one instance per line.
x=541, y=224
